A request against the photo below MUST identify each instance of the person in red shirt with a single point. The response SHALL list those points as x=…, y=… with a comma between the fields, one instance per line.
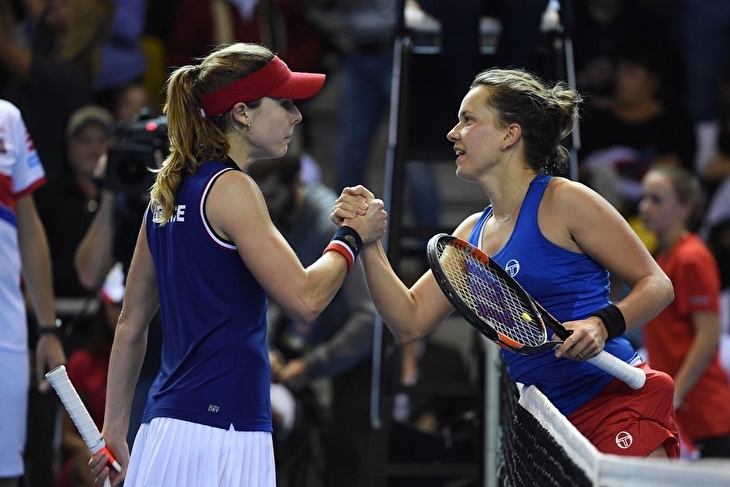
x=683, y=339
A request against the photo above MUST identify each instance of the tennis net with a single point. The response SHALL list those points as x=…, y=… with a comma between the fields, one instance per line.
x=538, y=446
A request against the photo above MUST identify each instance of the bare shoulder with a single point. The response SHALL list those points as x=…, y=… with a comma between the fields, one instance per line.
x=571, y=198
x=237, y=182
x=464, y=229
x=570, y=212
x=234, y=202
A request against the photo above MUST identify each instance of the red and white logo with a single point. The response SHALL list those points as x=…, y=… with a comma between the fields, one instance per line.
x=624, y=439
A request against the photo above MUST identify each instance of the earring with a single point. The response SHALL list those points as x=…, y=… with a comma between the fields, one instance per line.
x=246, y=127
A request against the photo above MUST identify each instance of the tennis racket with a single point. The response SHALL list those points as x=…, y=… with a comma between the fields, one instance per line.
x=79, y=414
x=494, y=303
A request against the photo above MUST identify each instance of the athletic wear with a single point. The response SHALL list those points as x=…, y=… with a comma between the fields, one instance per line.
x=195, y=455
x=215, y=365
x=623, y=421
x=21, y=173
x=570, y=286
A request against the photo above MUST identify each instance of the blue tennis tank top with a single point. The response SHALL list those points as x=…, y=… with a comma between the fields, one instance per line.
x=215, y=364
x=570, y=286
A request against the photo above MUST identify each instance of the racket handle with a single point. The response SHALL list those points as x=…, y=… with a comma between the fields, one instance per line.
x=633, y=376
x=79, y=414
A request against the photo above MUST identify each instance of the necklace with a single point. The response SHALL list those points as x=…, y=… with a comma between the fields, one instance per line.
x=509, y=215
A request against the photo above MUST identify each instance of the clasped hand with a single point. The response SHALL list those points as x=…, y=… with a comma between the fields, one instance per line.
x=358, y=208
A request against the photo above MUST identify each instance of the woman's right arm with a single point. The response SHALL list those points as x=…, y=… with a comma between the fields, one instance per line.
x=237, y=211
x=409, y=313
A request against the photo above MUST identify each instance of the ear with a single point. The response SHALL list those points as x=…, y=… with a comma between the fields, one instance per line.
x=240, y=112
x=512, y=135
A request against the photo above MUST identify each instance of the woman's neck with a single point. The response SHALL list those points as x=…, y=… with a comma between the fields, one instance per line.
x=668, y=239
x=506, y=192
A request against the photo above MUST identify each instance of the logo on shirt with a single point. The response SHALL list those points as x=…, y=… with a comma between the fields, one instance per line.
x=213, y=408
x=512, y=267
x=178, y=214
x=624, y=439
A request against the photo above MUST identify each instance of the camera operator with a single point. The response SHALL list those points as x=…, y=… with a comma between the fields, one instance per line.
x=125, y=179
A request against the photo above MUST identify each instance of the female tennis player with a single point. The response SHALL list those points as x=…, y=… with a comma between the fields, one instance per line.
x=207, y=255
x=560, y=240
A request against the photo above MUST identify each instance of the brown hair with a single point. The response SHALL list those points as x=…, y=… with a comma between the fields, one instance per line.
x=193, y=138
x=545, y=113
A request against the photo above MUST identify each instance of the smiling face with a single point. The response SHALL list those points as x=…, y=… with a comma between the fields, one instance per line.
x=476, y=137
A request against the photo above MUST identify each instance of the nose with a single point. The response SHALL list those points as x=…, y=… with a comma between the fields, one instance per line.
x=452, y=134
x=297, y=114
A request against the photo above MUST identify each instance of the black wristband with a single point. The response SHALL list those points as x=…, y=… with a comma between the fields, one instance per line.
x=53, y=329
x=349, y=237
x=613, y=320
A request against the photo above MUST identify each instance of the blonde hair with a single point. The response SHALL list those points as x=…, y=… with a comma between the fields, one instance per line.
x=194, y=139
x=546, y=113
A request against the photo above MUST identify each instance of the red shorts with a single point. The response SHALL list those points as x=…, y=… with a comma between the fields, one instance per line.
x=624, y=421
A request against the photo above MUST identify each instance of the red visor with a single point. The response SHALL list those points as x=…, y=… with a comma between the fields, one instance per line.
x=274, y=79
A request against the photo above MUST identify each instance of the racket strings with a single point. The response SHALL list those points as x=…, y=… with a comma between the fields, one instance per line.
x=490, y=297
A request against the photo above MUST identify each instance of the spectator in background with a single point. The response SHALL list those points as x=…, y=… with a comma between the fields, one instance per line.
x=715, y=174
x=520, y=35
x=599, y=29
x=281, y=25
x=131, y=101
x=682, y=340
x=123, y=61
x=25, y=256
x=364, y=32
x=338, y=345
x=52, y=76
x=69, y=204
x=705, y=28
x=641, y=128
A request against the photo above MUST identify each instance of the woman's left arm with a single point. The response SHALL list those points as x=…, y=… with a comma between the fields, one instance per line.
x=579, y=219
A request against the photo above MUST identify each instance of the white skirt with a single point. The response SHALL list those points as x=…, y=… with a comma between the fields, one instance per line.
x=173, y=453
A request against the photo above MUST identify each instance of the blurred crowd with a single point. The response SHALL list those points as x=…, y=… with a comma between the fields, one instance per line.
x=89, y=75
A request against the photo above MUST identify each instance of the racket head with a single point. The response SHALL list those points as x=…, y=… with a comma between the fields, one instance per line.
x=486, y=295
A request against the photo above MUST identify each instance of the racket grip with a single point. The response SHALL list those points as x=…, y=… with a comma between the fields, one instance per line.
x=79, y=414
x=633, y=376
